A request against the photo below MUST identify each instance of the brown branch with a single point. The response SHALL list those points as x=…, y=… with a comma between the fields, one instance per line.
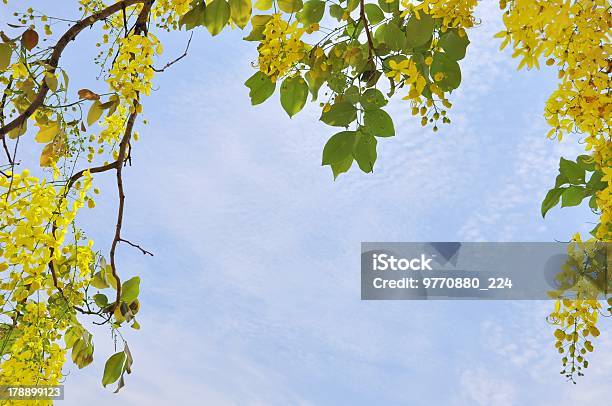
x=119, y=168
x=53, y=61
x=144, y=251
x=366, y=25
x=96, y=169
x=2, y=117
x=169, y=64
x=139, y=29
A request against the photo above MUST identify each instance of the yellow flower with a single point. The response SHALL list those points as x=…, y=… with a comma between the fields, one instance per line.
x=405, y=68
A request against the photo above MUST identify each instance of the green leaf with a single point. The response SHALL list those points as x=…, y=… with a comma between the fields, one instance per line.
x=258, y=23
x=82, y=350
x=312, y=12
x=240, y=11
x=374, y=13
x=351, y=5
x=340, y=114
x=560, y=180
x=419, y=30
x=572, y=196
x=453, y=45
x=263, y=4
x=372, y=99
x=341, y=167
x=551, y=200
x=95, y=112
x=393, y=36
x=5, y=56
x=352, y=95
x=107, y=274
x=290, y=6
x=339, y=148
x=261, y=88
x=51, y=81
x=379, y=123
x=100, y=299
x=572, y=171
x=216, y=16
x=293, y=94
x=194, y=17
x=595, y=184
x=336, y=11
x=314, y=84
x=389, y=7
x=98, y=281
x=130, y=289
x=113, y=368
x=337, y=81
x=354, y=29
x=72, y=335
x=450, y=68
x=593, y=202
x=365, y=151
x=586, y=162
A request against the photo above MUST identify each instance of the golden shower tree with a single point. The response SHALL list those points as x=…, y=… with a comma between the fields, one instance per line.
x=361, y=52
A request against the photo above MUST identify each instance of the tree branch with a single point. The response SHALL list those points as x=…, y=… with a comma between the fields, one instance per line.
x=139, y=29
x=169, y=64
x=119, y=169
x=2, y=106
x=96, y=169
x=144, y=251
x=362, y=17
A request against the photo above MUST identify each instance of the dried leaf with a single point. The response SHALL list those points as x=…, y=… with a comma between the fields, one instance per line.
x=29, y=39
x=46, y=157
x=86, y=94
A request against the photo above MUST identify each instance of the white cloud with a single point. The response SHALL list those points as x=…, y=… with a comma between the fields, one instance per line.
x=481, y=387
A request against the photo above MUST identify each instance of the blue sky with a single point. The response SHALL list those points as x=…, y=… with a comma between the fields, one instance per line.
x=253, y=295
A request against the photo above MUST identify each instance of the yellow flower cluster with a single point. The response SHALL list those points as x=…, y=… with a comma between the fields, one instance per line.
x=113, y=126
x=574, y=36
x=27, y=216
x=35, y=219
x=281, y=47
x=132, y=72
x=91, y=6
x=170, y=11
x=602, y=152
x=36, y=356
x=454, y=13
x=577, y=322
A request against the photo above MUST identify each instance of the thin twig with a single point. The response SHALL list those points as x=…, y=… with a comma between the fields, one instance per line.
x=169, y=64
x=144, y=251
